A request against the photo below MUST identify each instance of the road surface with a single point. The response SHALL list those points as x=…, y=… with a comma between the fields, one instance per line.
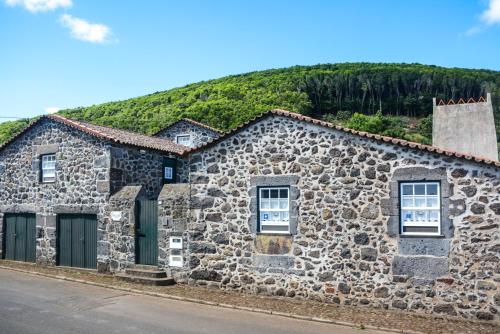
x=32, y=304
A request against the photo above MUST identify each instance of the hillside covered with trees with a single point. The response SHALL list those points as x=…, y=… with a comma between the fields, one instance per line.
x=390, y=99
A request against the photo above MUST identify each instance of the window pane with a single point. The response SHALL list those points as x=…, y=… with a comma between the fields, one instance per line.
x=420, y=189
x=421, y=216
x=408, y=202
x=184, y=140
x=265, y=193
x=264, y=216
x=408, y=216
x=274, y=193
x=284, y=216
x=274, y=203
x=284, y=203
x=283, y=193
x=407, y=189
x=168, y=173
x=434, y=216
x=432, y=202
x=275, y=216
x=432, y=189
x=420, y=202
x=264, y=203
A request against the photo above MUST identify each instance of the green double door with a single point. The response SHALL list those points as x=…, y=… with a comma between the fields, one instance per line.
x=77, y=240
x=146, y=246
x=20, y=237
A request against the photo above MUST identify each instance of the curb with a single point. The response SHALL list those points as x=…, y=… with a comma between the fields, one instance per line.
x=204, y=302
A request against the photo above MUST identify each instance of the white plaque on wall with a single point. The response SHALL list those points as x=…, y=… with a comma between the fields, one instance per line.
x=116, y=215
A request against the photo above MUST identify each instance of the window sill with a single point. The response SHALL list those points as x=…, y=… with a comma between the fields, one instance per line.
x=440, y=236
x=287, y=234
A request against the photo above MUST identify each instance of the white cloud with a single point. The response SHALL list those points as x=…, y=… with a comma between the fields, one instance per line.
x=488, y=17
x=86, y=31
x=492, y=14
x=40, y=5
x=472, y=31
x=52, y=110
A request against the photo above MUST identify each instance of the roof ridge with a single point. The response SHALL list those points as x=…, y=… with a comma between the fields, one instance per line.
x=124, y=137
x=393, y=140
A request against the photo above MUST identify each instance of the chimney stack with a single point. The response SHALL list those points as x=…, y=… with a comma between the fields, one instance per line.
x=465, y=126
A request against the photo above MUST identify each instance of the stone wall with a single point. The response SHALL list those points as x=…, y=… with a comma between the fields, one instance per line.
x=199, y=135
x=131, y=166
x=345, y=249
x=81, y=186
x=174, y=221
x=120, y=223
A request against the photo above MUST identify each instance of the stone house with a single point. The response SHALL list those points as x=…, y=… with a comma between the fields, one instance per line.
x=60, y=181
x=292, y=206
x=283, y=205
x=189, y=133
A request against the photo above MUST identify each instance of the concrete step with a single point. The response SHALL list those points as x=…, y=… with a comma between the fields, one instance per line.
x=145, y=267
x=146, y=273
x=146, y=280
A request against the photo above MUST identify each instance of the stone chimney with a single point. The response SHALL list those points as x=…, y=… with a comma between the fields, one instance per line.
x=465, y=126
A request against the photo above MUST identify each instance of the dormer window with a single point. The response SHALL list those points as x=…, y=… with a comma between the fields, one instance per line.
x=183, y=140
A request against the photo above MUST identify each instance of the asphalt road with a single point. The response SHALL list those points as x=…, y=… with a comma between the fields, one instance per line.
x=33, y=304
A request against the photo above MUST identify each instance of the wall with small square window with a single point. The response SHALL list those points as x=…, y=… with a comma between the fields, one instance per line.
x=420, y=204
x=188, y=134
x=48, y=168
x=274, y=204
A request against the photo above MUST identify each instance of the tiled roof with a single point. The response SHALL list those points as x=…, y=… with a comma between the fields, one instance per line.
x=110, y=134
x=384, y=139
x=188, y=120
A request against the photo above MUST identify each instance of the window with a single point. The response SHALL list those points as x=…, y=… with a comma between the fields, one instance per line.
x=420, y=208
x=48, y=168
x=274, y=210
x=169, y=173
x=169, y=170
x=183, y=140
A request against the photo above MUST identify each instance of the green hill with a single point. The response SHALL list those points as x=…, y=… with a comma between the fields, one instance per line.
x=403, y=93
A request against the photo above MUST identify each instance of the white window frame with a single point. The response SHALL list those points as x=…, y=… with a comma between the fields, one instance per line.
x=273, y=222
x=183, y=135
x=426, y=208
x=48, y=169
x=168, y=173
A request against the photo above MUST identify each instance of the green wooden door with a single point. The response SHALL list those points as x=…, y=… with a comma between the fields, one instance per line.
x=20, y=237
x=146, y=232
x=77, y=241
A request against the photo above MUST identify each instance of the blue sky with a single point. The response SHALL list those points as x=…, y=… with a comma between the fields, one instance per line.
x=69, y=53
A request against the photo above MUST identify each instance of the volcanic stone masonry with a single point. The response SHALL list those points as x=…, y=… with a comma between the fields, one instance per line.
x=93, y=176
x=199, y=134
x=345, y=245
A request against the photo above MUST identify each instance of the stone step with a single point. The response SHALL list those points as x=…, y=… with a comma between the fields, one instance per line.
x=146, y=273
x=146, y=280
x=145, y=267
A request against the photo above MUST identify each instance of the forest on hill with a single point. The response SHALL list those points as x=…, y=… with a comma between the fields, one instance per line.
x=390, y=99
